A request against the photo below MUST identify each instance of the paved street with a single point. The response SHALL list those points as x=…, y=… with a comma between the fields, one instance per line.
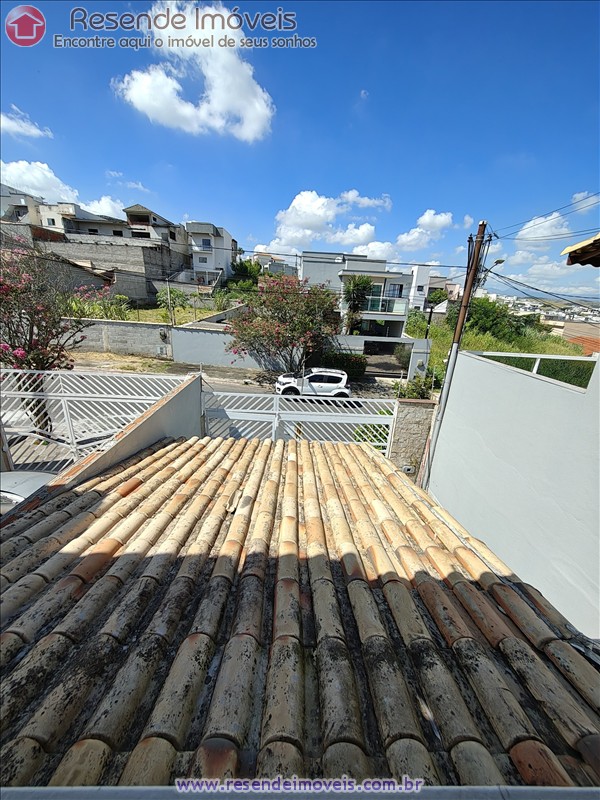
x=220, y=379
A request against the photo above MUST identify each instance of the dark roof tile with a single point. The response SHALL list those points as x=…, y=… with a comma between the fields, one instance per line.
x=228, y=607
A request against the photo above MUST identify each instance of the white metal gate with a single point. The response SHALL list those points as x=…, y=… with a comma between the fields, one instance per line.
x=321, y=419
x=51, y=419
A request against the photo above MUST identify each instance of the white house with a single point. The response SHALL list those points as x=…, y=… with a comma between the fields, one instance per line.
x=212, y=250
x=394, y=292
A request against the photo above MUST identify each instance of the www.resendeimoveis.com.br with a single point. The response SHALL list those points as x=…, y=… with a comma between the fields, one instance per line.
x=296, y=784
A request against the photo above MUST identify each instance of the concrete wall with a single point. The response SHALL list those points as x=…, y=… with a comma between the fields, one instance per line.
x=175, y=415
x=410, y=432
x=207, y=346
x=134, y=260
x=517, y=464
x=128, y=338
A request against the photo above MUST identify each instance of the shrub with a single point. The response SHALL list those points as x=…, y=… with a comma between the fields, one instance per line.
x=177, y=298
x=354, y=364
x=220, y=300
x=402, y=355
x=373, y=434
x=417, y=389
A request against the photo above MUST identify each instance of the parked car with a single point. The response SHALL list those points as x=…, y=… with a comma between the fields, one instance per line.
x=314, y=382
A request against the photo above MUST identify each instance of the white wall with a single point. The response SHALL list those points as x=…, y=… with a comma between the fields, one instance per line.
x=207, y=346
x=420, y=277
x=517, y=464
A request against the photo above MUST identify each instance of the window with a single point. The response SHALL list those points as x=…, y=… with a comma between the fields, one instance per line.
x=420, y=288
x=317, y=379
x=172, y=235
x=333, y=379
x=206, y=244
x=153, y=219
x=140, y=235
x=202, y=260
x=394, y=290
x=50, y=221
x=118, y=233
x=93, y=231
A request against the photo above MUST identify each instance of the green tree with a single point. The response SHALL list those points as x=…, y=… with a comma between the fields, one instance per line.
x=220, y=299
x=246, y=270
x=39, y=324
x=356, y=290
x=437, y=296
x=416, y=323
x=284, y=322
x=171, y=298
x=485, y=316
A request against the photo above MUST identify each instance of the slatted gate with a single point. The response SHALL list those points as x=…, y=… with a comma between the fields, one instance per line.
x=321, y=419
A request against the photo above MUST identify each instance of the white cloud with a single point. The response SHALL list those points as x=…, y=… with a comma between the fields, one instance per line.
x=111, y=173
x=430, y=226
x=433, y=222
x=382, y=250
x=584, y=202
x=363, y=94
x=520, y=257
x=313, y=217
x=106, y=206
x=467, y=221
x=353, y=197
x=35, y=177
x=460, y=249
x=17, y=123
x=230, y=102
x=496, y=247
x=139, y=187
x=541, y=232
x=352, y=235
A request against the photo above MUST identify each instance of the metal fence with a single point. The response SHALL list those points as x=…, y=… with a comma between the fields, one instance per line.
x=52, y=419
x=321, y=419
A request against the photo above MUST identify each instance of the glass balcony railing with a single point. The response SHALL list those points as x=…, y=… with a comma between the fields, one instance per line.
x=383, y=305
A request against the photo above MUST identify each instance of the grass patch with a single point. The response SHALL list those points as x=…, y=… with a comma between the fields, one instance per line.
x=182, y=315
x=536, y=342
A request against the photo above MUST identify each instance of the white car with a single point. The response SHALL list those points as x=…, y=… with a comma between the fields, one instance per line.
x=314, y=382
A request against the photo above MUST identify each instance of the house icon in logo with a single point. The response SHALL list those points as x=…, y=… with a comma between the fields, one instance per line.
x=25, y=26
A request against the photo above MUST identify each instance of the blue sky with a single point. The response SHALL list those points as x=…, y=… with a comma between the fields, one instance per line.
x=405, y=124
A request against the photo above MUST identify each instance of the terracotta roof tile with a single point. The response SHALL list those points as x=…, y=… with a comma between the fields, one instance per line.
x=244, y=607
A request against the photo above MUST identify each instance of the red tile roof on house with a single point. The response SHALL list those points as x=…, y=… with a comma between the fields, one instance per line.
x=224, y=608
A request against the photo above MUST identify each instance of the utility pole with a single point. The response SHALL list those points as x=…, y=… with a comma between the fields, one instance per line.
x=472, y=272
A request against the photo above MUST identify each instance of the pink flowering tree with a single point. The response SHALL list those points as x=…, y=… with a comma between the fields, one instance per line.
x=285, y=321
x=35, y=334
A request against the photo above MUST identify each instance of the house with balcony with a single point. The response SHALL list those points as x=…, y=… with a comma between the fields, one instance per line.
x=212, y=251
x=393, y=293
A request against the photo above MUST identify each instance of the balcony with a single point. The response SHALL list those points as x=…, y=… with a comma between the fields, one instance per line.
x=381, y=305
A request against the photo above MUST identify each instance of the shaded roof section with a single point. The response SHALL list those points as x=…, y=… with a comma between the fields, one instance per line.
x=224, y=608
x=586, y=252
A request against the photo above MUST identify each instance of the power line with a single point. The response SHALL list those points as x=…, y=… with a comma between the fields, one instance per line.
x=554, y=211
x=516, y=284
x=551, y=237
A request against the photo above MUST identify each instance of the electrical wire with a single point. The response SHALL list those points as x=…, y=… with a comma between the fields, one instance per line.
x=554, y=211
x=513, y=283
x=551, y=237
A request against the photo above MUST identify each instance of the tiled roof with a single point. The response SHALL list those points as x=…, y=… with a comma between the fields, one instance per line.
x=253, y=608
